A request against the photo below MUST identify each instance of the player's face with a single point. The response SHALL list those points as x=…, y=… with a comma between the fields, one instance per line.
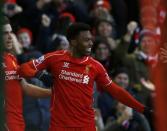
x=7, y=37
x=84, y=43
x=122, y=79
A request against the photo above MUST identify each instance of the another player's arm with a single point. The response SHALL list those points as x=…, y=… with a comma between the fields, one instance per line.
x=31, y=68
x=35, y=91
x=27, y=70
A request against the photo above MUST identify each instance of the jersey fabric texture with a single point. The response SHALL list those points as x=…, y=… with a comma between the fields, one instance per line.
x=13, y=92
x=14, y=127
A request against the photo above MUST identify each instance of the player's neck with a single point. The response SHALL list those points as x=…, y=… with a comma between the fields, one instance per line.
x=75, y=53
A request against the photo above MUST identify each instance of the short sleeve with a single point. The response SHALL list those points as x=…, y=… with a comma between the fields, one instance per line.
x=102, y=78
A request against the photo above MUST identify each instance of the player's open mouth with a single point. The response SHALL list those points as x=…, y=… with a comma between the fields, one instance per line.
x=88, y=49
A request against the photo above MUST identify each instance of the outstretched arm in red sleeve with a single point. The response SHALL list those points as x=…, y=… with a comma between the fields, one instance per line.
x=104, y=83
x=124, y=97
x=27, y=70
x=30, y=69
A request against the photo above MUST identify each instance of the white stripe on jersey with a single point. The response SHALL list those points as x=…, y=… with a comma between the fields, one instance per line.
x=35, y=65
x=108, y=83
x=85, y=60
x=33, y=61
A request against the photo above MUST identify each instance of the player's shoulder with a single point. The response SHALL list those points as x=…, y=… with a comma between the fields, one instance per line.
x=11, y=56
x=99, y=68
x=56, y=54
x=96, y=64
x=50, y=57
x=94, y=61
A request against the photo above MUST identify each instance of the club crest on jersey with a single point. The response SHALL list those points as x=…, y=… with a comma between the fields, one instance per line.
x=66, y=65
x=86, y=79
x=39, y=60
x=87, y=68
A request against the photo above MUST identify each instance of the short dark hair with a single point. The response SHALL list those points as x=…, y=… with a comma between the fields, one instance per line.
x=74, y=30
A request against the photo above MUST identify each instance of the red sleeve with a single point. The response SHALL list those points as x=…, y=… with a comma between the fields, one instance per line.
x=124, y=97
x=27, y=70
x=102, y=78
x=30, y=68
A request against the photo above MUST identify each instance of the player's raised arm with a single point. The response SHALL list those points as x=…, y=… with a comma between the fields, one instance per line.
x=35, y=91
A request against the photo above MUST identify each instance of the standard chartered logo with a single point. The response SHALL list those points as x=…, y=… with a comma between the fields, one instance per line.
x=74, y=77
x=86, y=79
x=11, y=75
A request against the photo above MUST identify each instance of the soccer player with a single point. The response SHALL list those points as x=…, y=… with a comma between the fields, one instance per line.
x=13, y=92
x=74, y=73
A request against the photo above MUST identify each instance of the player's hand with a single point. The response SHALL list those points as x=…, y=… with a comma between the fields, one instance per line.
x=23, y=82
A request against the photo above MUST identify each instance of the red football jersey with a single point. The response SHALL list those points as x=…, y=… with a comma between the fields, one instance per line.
x=13, y=91
x=72, y=93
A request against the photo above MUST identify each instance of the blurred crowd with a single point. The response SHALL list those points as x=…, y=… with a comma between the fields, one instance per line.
x=126, y=50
